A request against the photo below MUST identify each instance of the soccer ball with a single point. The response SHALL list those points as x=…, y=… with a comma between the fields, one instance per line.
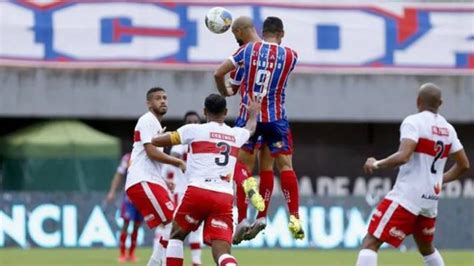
x=218, y=20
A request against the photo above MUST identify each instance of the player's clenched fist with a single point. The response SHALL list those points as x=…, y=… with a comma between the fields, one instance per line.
x=370, y=165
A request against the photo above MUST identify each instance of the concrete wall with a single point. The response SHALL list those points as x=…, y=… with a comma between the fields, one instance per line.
x=29, y=92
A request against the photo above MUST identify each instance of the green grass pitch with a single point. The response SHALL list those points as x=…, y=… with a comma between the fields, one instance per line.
x=246, y=257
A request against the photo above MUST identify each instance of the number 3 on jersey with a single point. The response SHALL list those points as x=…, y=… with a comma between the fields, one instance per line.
x=439, y=146
x=225, y=151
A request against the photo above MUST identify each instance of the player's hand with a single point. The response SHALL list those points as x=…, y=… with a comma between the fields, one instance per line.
x=110, y=197
x=370, y=166
x=182, y=165
x=254, y=105
x=170, y=184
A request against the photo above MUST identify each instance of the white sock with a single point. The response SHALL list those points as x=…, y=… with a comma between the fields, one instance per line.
x=175, y=250
x=156, y=256
x=196, y=253
x=434, y=259
x=367, y=257
x=158, y=234
x=165, y=236
x=227, y=260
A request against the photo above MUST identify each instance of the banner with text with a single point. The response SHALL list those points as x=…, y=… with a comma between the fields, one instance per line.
x=50, y=220
x=400, y=37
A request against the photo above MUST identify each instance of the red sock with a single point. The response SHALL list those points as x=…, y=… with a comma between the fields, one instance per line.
x=266, y=190
x=289, y=187
x=123, y=238
x=133, y=241
x=240, y=174
x=227, y=260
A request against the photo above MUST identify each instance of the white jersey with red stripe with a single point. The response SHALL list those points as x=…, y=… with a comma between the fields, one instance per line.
x=213, y=150
x=172, y=172
x=142, y=168
x=419, y=181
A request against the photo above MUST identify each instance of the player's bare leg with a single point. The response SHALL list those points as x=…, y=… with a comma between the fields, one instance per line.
x=431, y=256
x=133, y=243
x=123, y=238
x=175, y=250
x=221, y=253
x=243, y=168
x=265, y=189
x=368, y=253
x=289, y=187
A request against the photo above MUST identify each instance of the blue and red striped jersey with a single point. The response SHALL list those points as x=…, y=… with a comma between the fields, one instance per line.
x=261, y=63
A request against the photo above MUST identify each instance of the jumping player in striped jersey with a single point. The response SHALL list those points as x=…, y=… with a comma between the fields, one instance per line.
x=267, y=66
x=426, y=142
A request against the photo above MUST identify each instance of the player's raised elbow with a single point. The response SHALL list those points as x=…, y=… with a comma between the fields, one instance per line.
x=464, y=166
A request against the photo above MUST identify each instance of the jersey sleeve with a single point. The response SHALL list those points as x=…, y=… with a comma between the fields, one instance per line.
x=177, y=150
x=122, y=168
x=242, y=135
x=238, y=57
x=408, y=130
x=148, y=129
x=237, y=75
x=456, y=143
x=188, y=133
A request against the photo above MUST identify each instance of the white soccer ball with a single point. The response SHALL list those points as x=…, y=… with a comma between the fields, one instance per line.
x=218, y=20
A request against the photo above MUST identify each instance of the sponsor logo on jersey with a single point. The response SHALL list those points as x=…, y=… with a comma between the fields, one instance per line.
x=215, y=135
x=397, y=233
x=219, y=224
x=440, y=131
x=227, y=178
x=190, y=219
x=428, y=231
x=430, y=197
x=278, y=144
x=149, y=217
x=169, y=205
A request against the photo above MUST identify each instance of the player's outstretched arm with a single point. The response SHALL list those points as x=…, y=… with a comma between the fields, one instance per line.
x=116, y=181
x=402, y=156
x=460, y=167
x=253, y=108
x=153, y=153
x=219, y=78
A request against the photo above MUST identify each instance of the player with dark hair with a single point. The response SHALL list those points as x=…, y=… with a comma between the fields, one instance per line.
x=426, y=142
x=146, y=188
x=128, y=212
x=266, y=68
x=213, y=149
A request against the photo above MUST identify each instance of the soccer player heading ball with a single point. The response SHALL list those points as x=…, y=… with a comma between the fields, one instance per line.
x=262, y=70
x=426, y=142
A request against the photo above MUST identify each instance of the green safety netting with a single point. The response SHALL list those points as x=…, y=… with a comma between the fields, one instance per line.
x=58, y=156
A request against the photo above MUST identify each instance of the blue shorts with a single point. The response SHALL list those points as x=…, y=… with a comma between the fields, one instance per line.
x=129, y=212
x=276, y=135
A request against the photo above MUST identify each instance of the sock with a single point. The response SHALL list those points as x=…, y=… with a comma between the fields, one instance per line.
x=123, y=238
x=133, y=242
x=158, y=257
x=434, y=259
x=195, y=253
x=266, y=190
x=227, y=260
x=174, y=253
x=240, y=174
x=367, y=257
x=289, y=187
x=158, y=233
